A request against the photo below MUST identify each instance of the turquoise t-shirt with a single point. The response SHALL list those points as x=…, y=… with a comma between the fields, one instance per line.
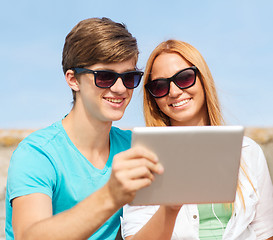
x=48, y=162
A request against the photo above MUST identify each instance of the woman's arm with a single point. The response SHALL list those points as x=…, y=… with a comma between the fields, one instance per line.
x=160, y=226
x=263, y=220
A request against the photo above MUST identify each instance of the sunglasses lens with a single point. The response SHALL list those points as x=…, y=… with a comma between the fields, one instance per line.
x=158, y=88
x=105, y=79
x=185, y=78
x=132, y=79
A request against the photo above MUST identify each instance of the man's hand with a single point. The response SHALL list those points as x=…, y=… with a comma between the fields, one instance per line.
x=132, y=170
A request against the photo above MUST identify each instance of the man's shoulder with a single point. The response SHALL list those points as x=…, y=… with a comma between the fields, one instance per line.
x=121, y=139
x=125, y=134
x=42, y=137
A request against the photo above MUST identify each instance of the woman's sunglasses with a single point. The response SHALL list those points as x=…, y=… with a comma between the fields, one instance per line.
x=183, y=79
x=107, y=78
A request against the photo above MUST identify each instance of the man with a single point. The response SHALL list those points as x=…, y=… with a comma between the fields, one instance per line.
x=70, y=180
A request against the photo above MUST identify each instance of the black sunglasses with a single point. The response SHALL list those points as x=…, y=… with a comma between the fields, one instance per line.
x=107, y=78
x=183, y=79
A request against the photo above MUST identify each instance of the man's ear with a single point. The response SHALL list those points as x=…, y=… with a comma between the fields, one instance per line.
x=71, y=80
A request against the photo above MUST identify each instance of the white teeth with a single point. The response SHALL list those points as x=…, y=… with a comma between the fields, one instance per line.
x=114, y=100
x=181, y=103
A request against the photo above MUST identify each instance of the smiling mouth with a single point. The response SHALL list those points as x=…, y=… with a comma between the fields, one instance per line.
x=183, y=102
x=114, y=100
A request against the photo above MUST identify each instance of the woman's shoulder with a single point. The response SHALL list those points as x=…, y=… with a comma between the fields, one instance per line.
x=252, y=155
x=250, y=146
x=249, y=141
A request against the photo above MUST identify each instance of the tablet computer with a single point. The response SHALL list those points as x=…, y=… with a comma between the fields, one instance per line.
x=201, y=164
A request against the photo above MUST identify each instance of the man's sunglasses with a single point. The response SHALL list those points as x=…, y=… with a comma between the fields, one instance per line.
x=183, y=79
x=107, y=78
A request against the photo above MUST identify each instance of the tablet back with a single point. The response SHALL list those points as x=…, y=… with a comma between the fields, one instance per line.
x=201, y=163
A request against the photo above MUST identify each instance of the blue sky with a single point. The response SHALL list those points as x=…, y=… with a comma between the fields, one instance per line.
x=235, y=38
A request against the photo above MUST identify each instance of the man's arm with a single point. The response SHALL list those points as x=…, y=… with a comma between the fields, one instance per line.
x=32, y=217
x=32, y=214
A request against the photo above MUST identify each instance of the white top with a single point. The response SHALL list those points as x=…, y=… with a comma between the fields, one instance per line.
x=254, y=222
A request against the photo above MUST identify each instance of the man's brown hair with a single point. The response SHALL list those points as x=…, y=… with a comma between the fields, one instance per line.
x=98, y=40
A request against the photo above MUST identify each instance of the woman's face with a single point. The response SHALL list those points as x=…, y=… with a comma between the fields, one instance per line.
x=184, y=107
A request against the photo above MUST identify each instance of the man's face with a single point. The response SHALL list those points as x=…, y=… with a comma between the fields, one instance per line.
x=104, y=104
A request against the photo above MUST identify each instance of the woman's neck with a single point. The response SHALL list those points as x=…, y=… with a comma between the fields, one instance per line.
x=203, y=121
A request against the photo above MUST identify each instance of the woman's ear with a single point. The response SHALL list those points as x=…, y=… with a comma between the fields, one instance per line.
x=71, y=80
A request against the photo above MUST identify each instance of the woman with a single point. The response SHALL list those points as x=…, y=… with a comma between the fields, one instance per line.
x=180, y=91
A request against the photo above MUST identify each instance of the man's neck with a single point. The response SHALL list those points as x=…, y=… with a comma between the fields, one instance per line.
x=87, y=133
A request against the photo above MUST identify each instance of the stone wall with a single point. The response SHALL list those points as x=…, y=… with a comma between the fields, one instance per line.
x=10, y=138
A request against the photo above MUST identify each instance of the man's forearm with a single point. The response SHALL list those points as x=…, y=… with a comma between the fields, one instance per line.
x=80, y=222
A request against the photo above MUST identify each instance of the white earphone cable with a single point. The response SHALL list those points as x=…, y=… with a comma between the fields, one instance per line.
x=212, y=207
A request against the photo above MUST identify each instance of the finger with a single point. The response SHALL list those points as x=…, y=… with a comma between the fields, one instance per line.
x=140, y=183
x=135, y=163
x=138, y=152
x=140, y=172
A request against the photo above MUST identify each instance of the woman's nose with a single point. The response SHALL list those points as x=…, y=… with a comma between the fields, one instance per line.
x=174, y=90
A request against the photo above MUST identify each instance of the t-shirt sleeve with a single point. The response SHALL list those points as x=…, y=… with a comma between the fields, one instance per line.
x=30, y=171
